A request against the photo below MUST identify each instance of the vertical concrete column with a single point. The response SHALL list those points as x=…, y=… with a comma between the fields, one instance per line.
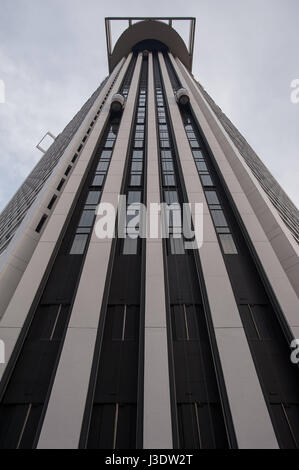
x=63, y=421
x=250, y=415
x=19, y=306
x=157, y=411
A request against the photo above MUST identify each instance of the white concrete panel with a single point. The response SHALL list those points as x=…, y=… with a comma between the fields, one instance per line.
x=242, y=385
x=157, y=413
x=155, y=316
x=91, y=288
x=61, y=429
x=222, y=302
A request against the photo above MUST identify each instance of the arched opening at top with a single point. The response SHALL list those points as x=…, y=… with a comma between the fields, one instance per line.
x=151, y=45
x=149, y=34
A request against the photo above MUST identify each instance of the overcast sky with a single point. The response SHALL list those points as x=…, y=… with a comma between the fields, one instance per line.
x=53, y=56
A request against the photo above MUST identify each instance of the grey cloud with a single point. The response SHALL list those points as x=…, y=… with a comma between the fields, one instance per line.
x=53, y=56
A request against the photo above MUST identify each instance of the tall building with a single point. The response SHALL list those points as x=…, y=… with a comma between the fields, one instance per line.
x=131, y=342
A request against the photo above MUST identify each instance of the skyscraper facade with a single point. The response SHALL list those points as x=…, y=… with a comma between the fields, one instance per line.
x=132, y=340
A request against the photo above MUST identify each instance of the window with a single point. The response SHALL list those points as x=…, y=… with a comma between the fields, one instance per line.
x=137, y=166
x=67, y=170
x=59, y=187
x=87, y=218
x=166, y=154
x=135, y=180
x=194, y=143
x=138, y=143
x=79, y=244
x=93, y=198
x=201, y=166
x=174, y=218
x=177, y=246
x=133, y=197
x=130, y=246
x=228, y=244
x=169, y=180
x=171, y=197
x=98, y=180
x=222, y=230
x=112, y=133
x=139, y=135
x=84, y=230
x=164, y=135
x=41, y=224
x=103, y=166
x=137, y=154
x=212, y=197
x=219, y=218
x=191, y=135
x=198, y=155
x=106, y=155
x=109, y=144
x=167, y=166
x=52, y=202
x=206, y=180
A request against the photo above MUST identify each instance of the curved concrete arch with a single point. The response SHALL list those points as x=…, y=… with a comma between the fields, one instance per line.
x=150, y=30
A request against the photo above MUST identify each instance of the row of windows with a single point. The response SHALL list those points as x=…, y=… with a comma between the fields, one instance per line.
x=176, y=240
x=87, y=219
x=125, y=87
x=136, y=175
x=218, y=217
x=137, y=162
